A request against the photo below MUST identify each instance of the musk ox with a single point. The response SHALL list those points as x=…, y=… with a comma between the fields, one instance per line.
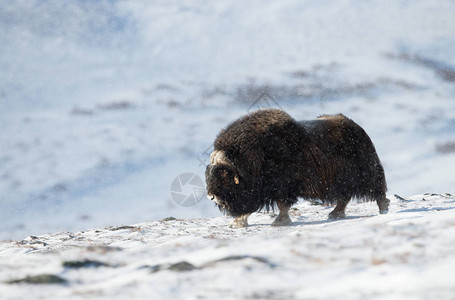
x=267, y=159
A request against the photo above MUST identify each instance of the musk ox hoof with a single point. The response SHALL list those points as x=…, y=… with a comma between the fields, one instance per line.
x=384, y=211
x=336, y=215
x=282, y=221
x=236, y=224
x=383, y=206
x=240, y=222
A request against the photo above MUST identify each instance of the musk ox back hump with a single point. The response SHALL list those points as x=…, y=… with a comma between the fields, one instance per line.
x=260, y=137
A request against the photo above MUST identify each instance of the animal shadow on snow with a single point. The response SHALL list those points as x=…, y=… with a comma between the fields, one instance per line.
x=423, y=209
x=299, y=221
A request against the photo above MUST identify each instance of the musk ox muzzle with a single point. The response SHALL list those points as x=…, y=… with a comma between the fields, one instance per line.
x=267, y=159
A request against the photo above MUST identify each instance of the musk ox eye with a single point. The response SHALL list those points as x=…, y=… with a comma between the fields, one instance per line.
x=224, y=173
x=227, y=176
x=224, y=176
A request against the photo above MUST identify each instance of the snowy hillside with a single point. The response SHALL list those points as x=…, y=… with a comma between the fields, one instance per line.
x=407, y=254
x=104, y=104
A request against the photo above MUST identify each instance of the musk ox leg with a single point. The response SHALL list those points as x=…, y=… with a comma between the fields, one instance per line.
x=283, y=218
x=338, y=212
x=383, y=204
x=240, y=222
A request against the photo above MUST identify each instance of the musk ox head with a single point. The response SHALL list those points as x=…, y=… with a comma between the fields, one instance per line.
x=225, y=186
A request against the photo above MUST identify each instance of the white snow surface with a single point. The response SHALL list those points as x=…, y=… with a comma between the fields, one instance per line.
x=407, y=254
x=104, y=103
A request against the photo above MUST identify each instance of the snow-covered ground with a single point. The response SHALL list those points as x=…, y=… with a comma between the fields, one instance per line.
x=103, y=104
x=407, y=254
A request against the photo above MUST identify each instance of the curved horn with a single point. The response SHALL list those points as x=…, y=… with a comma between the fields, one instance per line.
x=218, y=157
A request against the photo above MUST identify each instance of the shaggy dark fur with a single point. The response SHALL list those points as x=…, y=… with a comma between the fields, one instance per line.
x=268, y=158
